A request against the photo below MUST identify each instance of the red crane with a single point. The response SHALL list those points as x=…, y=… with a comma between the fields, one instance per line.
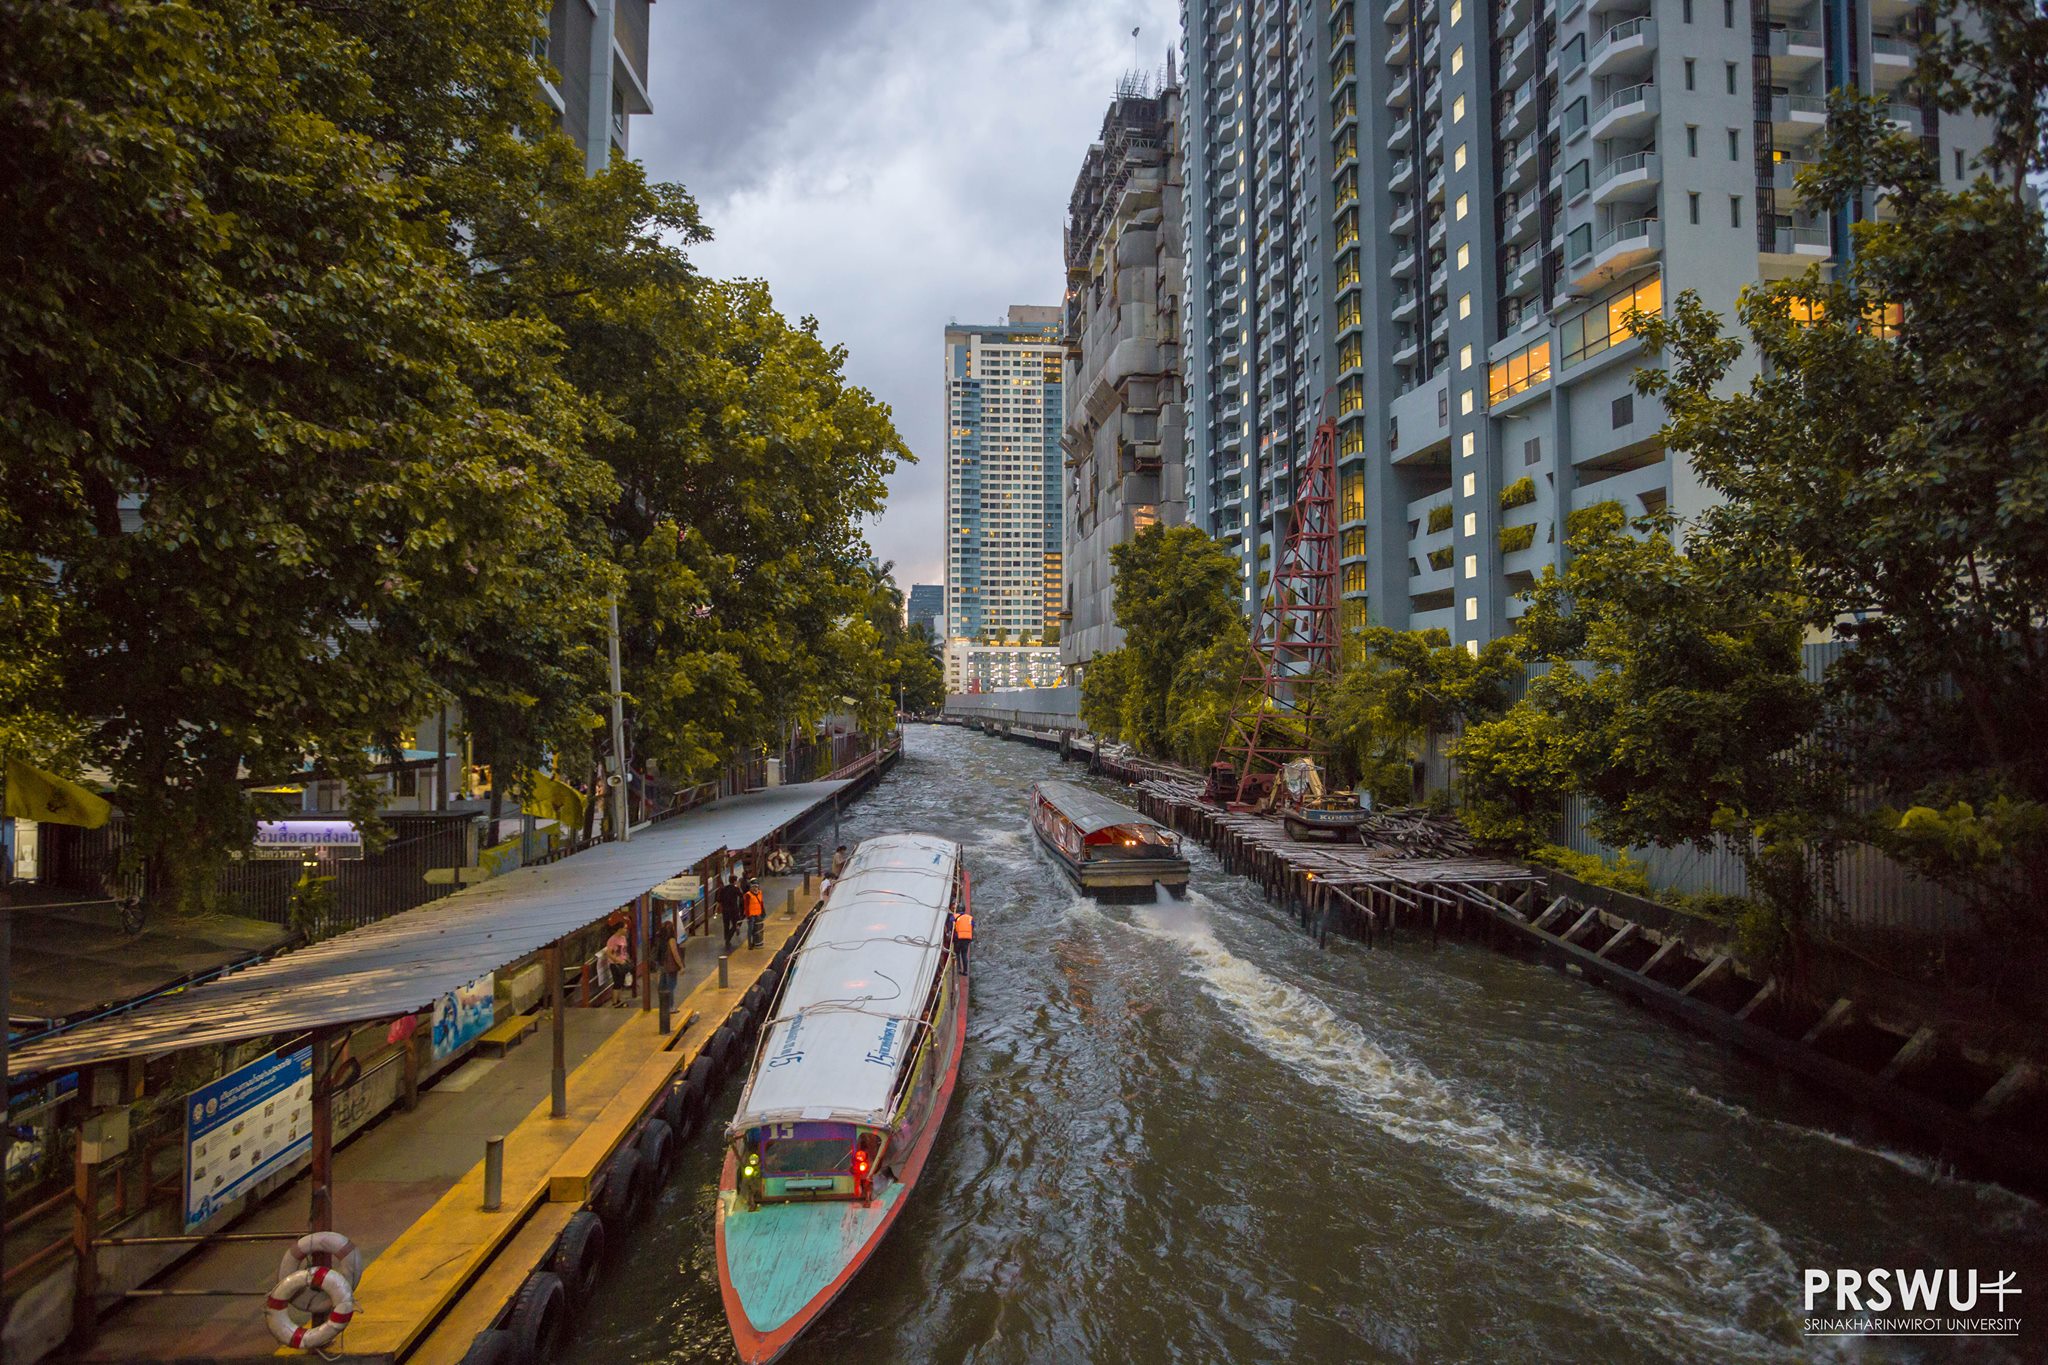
x=1294, y=649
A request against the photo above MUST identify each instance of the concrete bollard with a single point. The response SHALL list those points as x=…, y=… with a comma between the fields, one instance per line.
x=724, y=980
x=789, y=903
x=494, y=1173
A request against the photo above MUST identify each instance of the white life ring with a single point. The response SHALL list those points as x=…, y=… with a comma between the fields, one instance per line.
x=306, y=1336
x=341, y=1253
x=779, y=861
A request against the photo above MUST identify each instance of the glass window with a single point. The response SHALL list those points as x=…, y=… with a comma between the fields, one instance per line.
x=1689, y=64
x=1457, y=59
x=1602, y=326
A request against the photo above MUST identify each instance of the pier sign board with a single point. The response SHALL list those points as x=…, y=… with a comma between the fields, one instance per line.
x=245, y=1127
x=464, y=1013
x=284, y=839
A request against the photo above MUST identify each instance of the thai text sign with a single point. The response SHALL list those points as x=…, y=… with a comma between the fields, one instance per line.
x=244, y=1128
x=464, y=1013
x=307, y=839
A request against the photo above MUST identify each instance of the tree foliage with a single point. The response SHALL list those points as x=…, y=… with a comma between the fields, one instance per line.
x=336, y=392
x=1895, y=449
x=1398, y=687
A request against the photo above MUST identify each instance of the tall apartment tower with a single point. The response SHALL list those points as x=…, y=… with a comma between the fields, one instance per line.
x=1528, y=171
x=599, y=48
x=1125, y=419
x=1256, y=218
x=1003, y=468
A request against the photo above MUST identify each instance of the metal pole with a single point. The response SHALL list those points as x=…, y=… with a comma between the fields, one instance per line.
x=323, y=1131
x=494, y=1173
x=6, y=1060
x=441, y=764
x=558, y=1081
x=723, y=979
x=619, y=730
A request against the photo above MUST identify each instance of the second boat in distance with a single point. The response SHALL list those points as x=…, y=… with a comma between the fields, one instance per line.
x=1109, y=850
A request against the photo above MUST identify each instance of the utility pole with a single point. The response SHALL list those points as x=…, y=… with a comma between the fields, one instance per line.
x=621, y=813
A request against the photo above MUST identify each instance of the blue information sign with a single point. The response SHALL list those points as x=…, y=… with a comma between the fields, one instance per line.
x=244, y=1128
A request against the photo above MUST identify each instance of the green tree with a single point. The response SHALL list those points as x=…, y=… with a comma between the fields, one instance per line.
x=1176, y=596
x=1396, y=688
x=1895, y=448
x=277, y=455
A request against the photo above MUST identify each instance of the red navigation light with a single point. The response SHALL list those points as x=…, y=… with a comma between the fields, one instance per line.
x=860, y=1163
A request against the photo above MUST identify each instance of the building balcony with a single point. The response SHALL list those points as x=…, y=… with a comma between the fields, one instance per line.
x=1809, y=240
x=1405, y=305
x=1433, y=141
x=1404, y=129
x=1628, y=177
x=1598, y=7
x=1907, y=117
x=1408, y=351
x=1521, y=224
x=1404, y=216
x=1396, y=12
x=1404, y=264
x=1785, y=173
x=1627, y=48
x=1527, y=273
x=1401, y=47
x=1795, y=51
x=1403, y=175
x=1621, y=248
x=1796, y=117
x=1435, y=193
x=1520, y=114
x=1631, y=109
x=1891, y=60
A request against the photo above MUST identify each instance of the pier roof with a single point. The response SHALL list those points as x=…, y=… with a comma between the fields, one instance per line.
x=409, y=961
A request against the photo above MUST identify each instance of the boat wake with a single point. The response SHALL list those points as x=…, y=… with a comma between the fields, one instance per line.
x=1718, y=1276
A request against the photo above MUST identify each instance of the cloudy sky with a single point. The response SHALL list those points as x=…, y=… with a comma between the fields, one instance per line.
x=889, y=166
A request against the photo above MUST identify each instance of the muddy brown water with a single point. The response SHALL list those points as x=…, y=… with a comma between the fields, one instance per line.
x=1184, y=1134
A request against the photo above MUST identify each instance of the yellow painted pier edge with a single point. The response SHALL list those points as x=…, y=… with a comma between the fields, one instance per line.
x=450, y=1275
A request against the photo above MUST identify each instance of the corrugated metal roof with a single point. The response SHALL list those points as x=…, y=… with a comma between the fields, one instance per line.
x=410, y=960
x=1092, y=811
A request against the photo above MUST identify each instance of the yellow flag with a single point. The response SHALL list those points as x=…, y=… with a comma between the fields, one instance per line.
x=33, y=794
x=553, y=799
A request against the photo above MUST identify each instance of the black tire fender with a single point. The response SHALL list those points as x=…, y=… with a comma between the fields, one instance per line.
x=741, y=1023
x=539, y=1318
x=658, y=1153
x=495, y=1347
x=675, y=1111
x=619, y=1201
x=578, y=1257
x=721, y=1048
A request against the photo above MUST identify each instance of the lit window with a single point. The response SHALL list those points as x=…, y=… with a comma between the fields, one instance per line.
x=1464, y=204
x=1465, y=402
x=1464, y=256
x=1464, y=357
x=1471, y=484
x=1458, y=158
x=1471, y=523
x=1457, y=10
x=1471, y=566
x=1464, y=305
x=1457, y=59
x=1458, y=109
x=1471, y=614
x=1468, y=444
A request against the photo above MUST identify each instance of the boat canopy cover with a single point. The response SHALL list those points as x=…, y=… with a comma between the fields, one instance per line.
x=1091, y=810
x=846, y=1023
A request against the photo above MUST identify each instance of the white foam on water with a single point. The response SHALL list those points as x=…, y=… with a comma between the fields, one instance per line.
x=1684, y=1274
x=1933, y=1172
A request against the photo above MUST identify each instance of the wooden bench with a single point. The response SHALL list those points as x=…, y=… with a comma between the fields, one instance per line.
x=506, y=1035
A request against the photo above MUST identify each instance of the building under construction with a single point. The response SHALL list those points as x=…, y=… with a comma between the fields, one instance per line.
x=1125, y=415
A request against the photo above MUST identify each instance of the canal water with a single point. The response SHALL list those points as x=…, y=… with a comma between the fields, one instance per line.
x=1184, y=1134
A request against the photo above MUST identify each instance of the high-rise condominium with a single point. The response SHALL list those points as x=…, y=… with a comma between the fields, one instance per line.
x=1505, y=180
x=1125, y=419
x=1003, y=499
x=1255, y=326
x=599, y=48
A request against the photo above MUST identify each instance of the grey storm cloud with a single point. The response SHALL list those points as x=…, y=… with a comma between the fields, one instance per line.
x=888, y=166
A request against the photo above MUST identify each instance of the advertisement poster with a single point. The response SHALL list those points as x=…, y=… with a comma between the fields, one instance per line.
x=245, y=1127
x=463, y=1014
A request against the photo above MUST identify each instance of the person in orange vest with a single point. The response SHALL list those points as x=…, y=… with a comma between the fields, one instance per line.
x=963, y=937
x=756, y=914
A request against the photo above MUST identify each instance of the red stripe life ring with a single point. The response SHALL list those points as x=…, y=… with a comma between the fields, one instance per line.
x=309, y=1336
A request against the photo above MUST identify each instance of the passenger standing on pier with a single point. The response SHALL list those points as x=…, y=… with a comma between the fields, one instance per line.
x=757, y=912
x=618, y=956
x=838, y=862
x=729, y=906
x=668, y=959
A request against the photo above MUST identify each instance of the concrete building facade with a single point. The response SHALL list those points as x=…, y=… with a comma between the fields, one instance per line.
x=1256, y=326
x=1125, y=417
x=1542, y=166
x=599, y=50
x=1003, y=538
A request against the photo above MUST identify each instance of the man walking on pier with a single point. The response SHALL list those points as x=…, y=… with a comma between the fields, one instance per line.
x=757, y=913
x=728, y=898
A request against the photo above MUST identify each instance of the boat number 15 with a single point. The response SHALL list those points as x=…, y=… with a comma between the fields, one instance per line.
x=784, y=1059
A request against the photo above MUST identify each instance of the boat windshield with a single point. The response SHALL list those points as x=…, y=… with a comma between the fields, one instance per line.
x=1132, y=836
x=808, y=1156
